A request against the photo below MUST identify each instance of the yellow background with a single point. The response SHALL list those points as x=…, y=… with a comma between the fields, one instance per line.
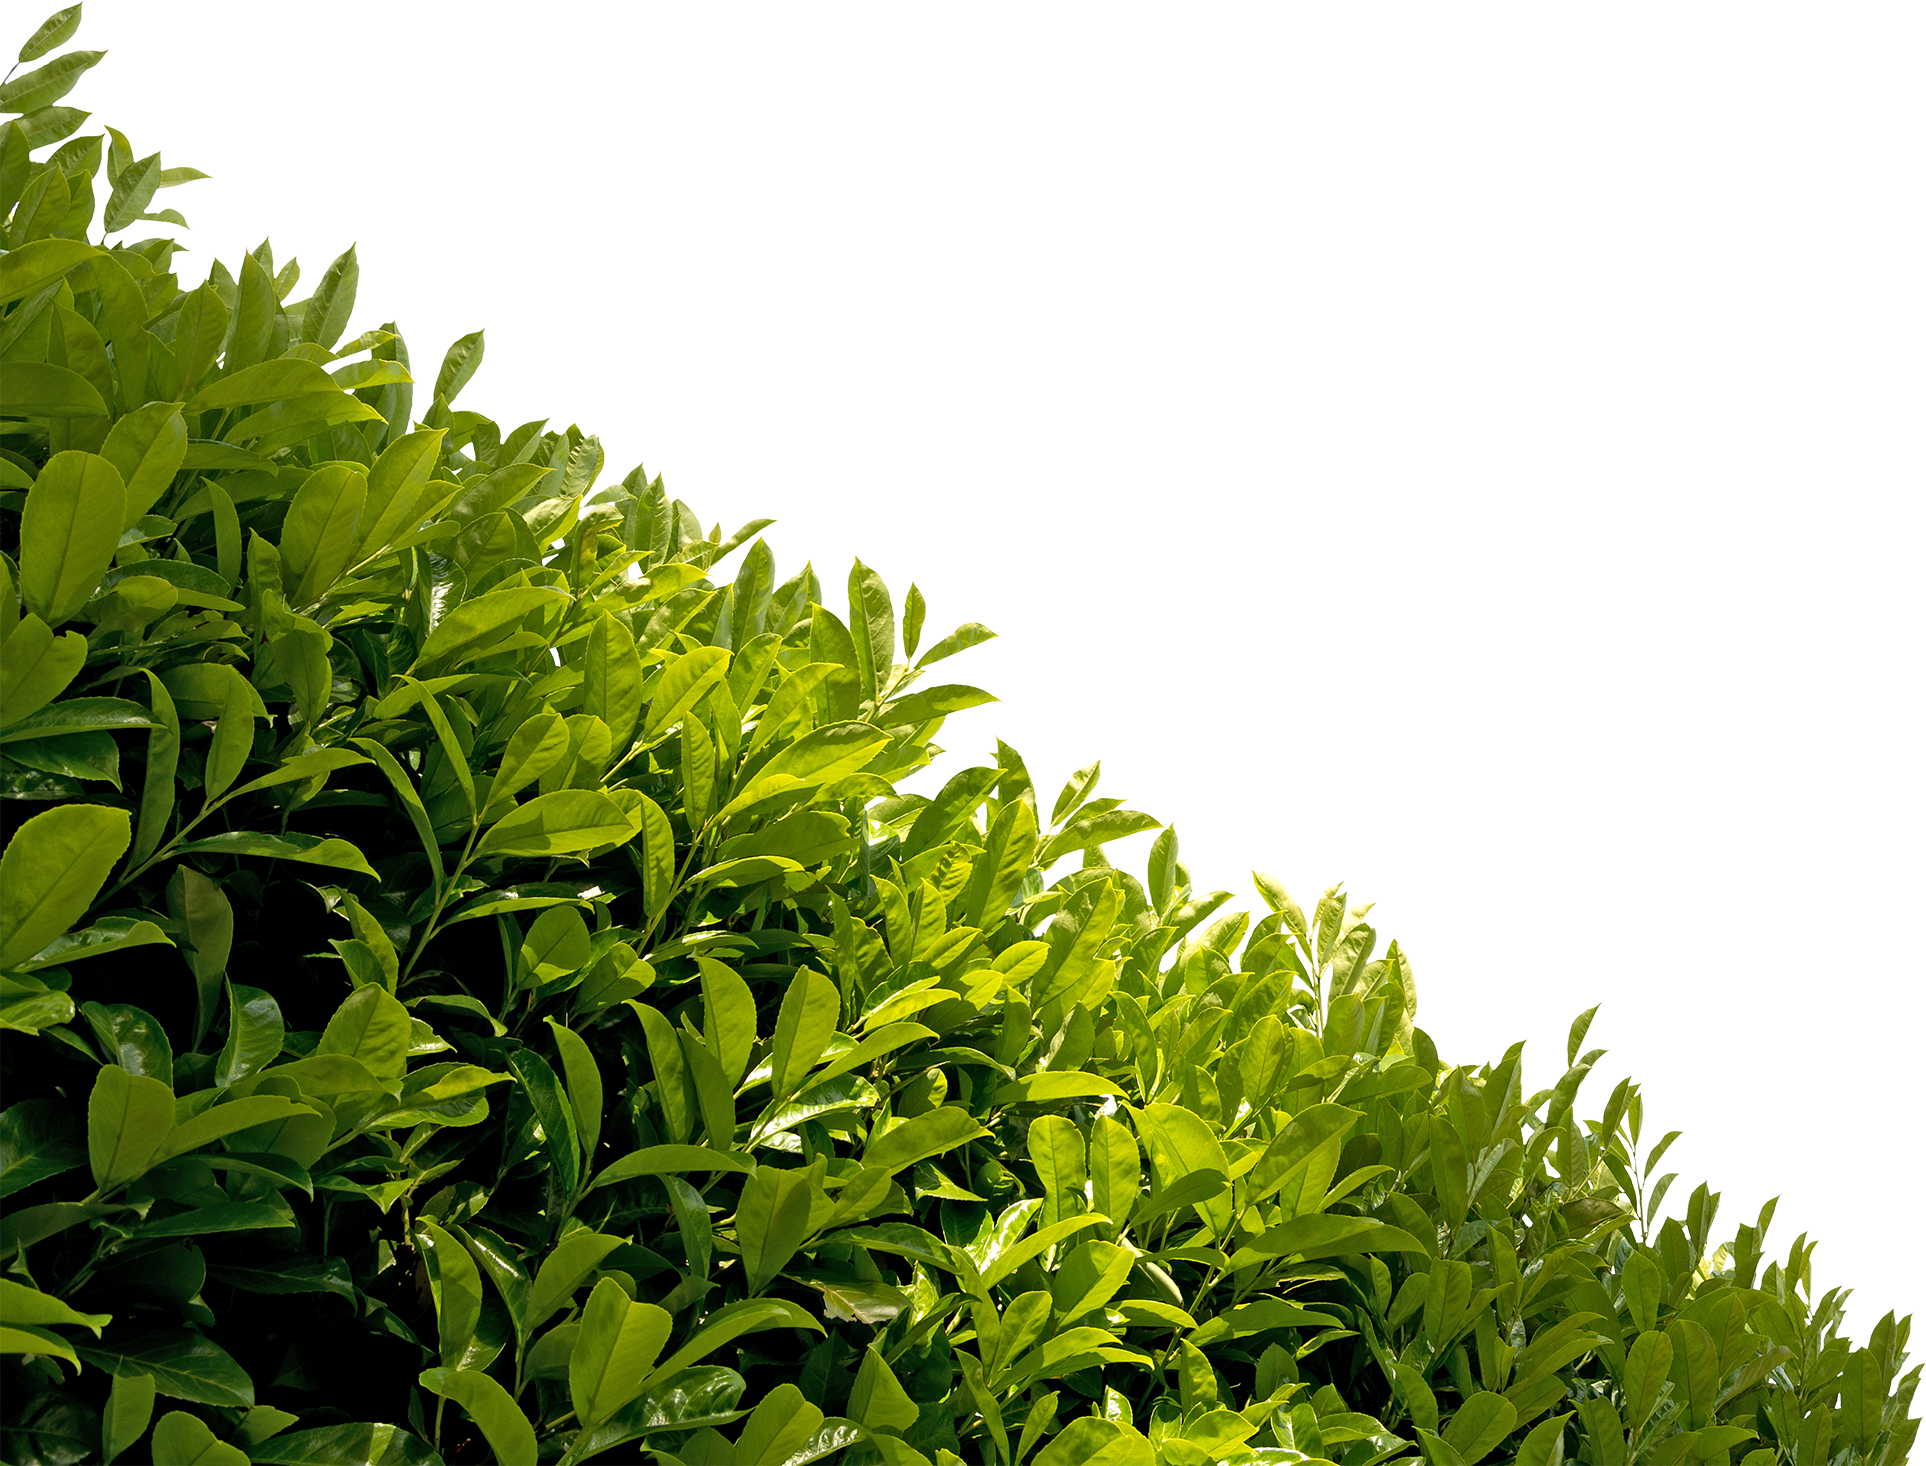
x=1520, y=399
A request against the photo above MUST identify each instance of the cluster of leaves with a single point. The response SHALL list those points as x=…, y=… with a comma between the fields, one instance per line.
x=461, y=950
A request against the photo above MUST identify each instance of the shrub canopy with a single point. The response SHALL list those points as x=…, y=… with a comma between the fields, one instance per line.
x=473, y=988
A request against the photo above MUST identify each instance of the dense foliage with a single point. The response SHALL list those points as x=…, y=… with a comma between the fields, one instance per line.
x=473, y=989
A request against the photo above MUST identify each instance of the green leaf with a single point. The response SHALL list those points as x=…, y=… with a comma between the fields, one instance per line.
x=30, y=268
x=184, y=1366
x=494, y=1412
x=534, y=748
x=411, y=805
x=1036, y=1244
x=1575, y=1040
x=47, y=83
x=133, y=1039
x=51, y=871
x=313, y=764
x=398, y=489
x=133, y=192
x=1050, y=1086
x=69, y=531
x=28, y=1010
x=1546, y=1442
x=372, y=1028
x=778, y=1427
x=146, y=447
x=1648, y=1364
x=564, y=1270
x=79, y=715
x=267, y=381
x=815, y=759
x=458, y=367
x=36, y=667
x=772, y=1219
x=129, y=1408
x=308, y=849
x=233, y=735
x=564, y=822
x=807, y=1018
x=56, y=30
x=328, y=309
x=455, y=1284
x=40, y=389
x=318, y=537
x=20, y=1304
x=38, y=1139
x=1317, y=1236
x=84, y=756
x=1478, y=1425
x=729, y=1323
x=913, y=609
x=31, y=1224
x=1057, y=1152
x=872, y=625
x=728, y=1017
x=931, y=702
x=668, y=1160
x=474, y=626
x=181, y=1439
x=672, y=1080
x=618, y=1343
x=1091, y=1441
x=1116, y=1170
x=612, y=681
x=111, y=934
x=997, y=874
x=932, y=1133
x=584, y=1084
x=965, y=636
x=878, y=1399
x=680, y=686
x=544, y=1091
x=656, y=842
x=224, y=1119
x=1094, y=831
x=157, y=788
x=1302, y=1157
x=356, y=1444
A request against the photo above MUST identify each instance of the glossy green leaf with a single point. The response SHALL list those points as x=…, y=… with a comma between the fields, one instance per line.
x=372, y=1028
x=455, y=1284
x=51, y=871
x=233, y=736
x=69, y=530
x=612, y=681
x=255, y=1035
x=307, y=849
x=618, y=1343
x=56, y=30
x=184, y=1365
x=772, y=1220
x=36, y=666
x=132, y=1038
x=318, y=537
x=129, y=1408
x=39, y=1138
x=493, y=1410
x=31, y=267
x=921, y=1136
x=803, y=1025
x=181, y=1439
x=563, y=822
x=667, y=1160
